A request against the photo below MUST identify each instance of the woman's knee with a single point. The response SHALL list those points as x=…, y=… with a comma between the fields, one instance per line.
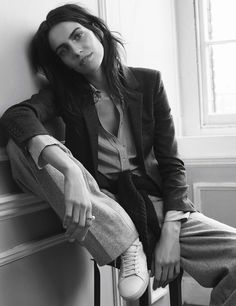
x=20, y=166
x=16, y=154
x=12, y=149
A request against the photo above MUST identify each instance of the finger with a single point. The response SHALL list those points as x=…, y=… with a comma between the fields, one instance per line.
x=72, y=223
x=170, y=276
x=164, y=275
x=66, y=221
x=68, y=214
x=80, y=233
x=157, y=277
x=82, y=218
x=152, y=268
x=155, y=284
x=76, y=214
x=75, y=222
x=89, y=219
x=70, y=229
x=177, y=269
x=171, y=273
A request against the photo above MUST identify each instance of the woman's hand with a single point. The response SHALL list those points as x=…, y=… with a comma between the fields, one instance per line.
x=166, y=262
x=78, y=209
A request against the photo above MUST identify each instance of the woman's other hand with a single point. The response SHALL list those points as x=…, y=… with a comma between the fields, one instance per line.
x=166, y=261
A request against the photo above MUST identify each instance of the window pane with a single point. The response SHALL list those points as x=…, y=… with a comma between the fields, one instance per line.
x=223, y=63
x=221, y=19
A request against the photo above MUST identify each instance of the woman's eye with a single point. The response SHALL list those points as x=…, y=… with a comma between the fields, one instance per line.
x=77, y=36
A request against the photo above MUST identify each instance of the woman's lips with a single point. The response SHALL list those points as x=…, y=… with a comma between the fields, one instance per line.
x=85, y=59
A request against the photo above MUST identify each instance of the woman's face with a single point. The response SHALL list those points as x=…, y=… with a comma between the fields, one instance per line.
x=78, y=47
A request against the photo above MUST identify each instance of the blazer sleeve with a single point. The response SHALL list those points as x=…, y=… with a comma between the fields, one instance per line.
x=171, y=167
x=24, y=120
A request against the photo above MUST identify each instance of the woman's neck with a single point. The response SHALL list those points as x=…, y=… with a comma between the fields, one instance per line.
x=98, y=80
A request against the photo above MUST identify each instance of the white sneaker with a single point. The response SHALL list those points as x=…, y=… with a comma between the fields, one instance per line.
x=133, y=277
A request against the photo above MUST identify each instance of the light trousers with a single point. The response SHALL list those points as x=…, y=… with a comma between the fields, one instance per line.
x=208, y=247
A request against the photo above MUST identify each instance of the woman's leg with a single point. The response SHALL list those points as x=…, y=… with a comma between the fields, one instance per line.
x=111, y=233
x=208, y=254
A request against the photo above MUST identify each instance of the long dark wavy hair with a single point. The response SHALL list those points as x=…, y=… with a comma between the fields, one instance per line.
x=63, y=79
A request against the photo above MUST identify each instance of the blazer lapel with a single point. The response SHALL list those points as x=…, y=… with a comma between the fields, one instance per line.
x=134, y=106
x=135, y=115
x=92, y=121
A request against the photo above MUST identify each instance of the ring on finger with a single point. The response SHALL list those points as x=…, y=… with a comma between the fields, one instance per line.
x=90, y=218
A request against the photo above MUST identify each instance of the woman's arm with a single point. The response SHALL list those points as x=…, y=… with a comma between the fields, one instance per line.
x=166, y=261
x=24, y=120
x=172, y=170
x=166, y=257
x=78, y=206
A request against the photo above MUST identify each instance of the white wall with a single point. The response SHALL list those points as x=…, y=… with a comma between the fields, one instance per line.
x=148, y=29
x=18, y=22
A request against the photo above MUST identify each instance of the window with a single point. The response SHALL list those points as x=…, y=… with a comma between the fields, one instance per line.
x=216, y=44
x=206, y=41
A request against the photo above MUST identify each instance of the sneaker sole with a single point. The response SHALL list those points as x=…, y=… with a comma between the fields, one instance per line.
x=138, y=294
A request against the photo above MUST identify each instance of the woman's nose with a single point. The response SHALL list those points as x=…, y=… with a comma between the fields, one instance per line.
x=76, y=49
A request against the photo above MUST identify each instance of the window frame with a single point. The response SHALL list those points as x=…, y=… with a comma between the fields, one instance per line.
x=208, y=120
x=197, y=141
x=193, y=118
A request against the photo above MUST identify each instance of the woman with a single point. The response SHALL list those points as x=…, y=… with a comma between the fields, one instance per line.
x=121, y=134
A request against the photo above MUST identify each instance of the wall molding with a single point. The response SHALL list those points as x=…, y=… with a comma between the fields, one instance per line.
x=210, y=186
x=210, y=162
x=14, y=205
x=191, y=162
x=26, y=249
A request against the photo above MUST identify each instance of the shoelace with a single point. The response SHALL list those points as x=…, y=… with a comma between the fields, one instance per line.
x=130, y=262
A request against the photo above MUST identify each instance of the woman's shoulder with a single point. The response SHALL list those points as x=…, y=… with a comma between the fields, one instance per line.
x=145, y=72
x=45, y=91
x=145, y=76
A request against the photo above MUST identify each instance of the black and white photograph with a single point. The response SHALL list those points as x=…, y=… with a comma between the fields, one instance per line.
x=118, y=153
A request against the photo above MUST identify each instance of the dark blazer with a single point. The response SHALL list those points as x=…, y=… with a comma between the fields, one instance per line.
x=151, y=123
